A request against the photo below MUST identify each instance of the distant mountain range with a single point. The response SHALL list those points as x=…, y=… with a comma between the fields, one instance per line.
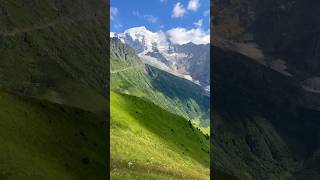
x=189, y=61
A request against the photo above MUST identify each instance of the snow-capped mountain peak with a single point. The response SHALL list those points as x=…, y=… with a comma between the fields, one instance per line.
x=156, y=49
x=143, y=40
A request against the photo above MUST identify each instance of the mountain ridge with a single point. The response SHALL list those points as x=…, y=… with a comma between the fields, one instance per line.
x=160, y=87
x=156, y=49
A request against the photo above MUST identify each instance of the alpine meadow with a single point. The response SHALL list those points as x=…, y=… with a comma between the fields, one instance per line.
x=159, y=98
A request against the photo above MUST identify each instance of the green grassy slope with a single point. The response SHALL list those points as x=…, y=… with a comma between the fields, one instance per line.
x=148, y=142
x=129, y=75
x=55, y=51
x=42, y=140
x=18, y=14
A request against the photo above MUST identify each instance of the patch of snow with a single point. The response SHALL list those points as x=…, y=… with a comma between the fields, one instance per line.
x=188, y=77
x=153, y=62
x=207, y=88
x=280, y=66
x=312, y=84
x=113, y=34
x=147, y=38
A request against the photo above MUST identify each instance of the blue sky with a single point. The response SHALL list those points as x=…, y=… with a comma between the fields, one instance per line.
x=158, y=15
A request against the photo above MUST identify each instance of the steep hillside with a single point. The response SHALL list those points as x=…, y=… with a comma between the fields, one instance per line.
x=54, y=50
x=262, y=121
x=54, y=58
x=42, y=140
x=131, y=76
x=150, y=142
x=150, y=139
x=265, y=69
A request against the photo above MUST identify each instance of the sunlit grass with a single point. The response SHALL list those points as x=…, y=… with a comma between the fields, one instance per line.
x=152, y=143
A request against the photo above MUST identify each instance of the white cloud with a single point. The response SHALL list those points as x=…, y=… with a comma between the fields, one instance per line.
x=206, y=13
x=193, y=5
x=182, y=36
x=178, y=10
x=113, y=12
x=199, y=23
x=151, y=18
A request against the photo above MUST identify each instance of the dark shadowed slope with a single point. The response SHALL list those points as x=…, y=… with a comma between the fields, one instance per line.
x=263, y=121
x=55, y=50
x=53, y=55
x=265, y=74
x=42, y=140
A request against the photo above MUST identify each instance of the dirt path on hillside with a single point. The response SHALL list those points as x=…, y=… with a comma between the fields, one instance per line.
x=124, y=69
x=45, y=26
